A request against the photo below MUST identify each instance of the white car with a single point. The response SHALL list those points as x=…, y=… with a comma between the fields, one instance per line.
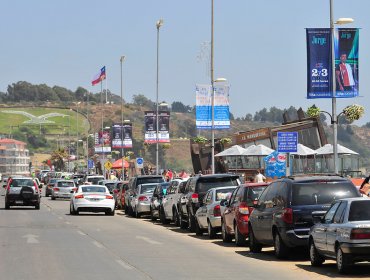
x=92, y=198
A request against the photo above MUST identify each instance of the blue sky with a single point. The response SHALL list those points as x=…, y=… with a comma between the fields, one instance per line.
x=259, y=47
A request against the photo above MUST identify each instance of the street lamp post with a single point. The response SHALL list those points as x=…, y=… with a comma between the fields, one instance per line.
x=159, y=23
x=334, y=99
x=122, y=150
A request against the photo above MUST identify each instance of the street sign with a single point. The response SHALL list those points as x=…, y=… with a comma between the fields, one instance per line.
x=139, y=163
x=90, y=164
x=287, y=142
x=108, y=165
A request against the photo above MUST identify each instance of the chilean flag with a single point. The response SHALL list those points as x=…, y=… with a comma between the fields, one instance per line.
x=99, y=77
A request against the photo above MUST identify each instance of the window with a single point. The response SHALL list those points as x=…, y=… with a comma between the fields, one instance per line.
x=208, y=197
x=338, y=217
x=329, y=216
x=224, y=194
x=359, y=211
x=272, y=191
x=233, y=195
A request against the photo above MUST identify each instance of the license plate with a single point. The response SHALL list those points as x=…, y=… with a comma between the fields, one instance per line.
x=19, y=201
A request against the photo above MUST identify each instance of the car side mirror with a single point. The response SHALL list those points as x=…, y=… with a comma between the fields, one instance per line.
x=318, y=217
x=40, y=186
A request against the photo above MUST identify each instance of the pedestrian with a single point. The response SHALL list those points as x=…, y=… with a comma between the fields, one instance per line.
x=365, y=186
x=259, y=178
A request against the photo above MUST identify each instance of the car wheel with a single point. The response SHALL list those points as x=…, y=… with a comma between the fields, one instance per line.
x=152, y=217
x=254, y=245
x=182, y=222
x=240, y=239
x=281, y=250
x=315, y=258
x=137, y=214
x=227, y=238
x=211, y=231
x=191, y=222
x=343, y=261
x=175, y=216
x=71, y=211
x=52, y=197
x=7, y=205
x=198, y=230
x=37, y=206
x=110, y=212
x=163, y=218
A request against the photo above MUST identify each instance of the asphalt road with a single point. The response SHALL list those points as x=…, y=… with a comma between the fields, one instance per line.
x=50, y=244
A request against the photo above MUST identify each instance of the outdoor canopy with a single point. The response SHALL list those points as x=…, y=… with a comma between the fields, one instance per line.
x=118, y=164
x=302, y=150
x=328, y=150
x=235, y=150
x=259, y=150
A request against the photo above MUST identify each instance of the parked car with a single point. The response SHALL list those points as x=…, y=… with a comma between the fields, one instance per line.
x=63, y=189
x=208, y=216
x=140, y=201
x=92, y=198
x=234, y=221
x=169, y=210
x=121, y=194
x=49, y=186
x=109, y=184
x=342, y=234
x=195, y=189
x=4, y=181
x=93, y=179
x=22, y=192
x=133, y=183
x=283, y=215
x=156, y=200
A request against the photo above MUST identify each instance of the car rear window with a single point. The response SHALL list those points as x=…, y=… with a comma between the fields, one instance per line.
x=93, y=189
x=224, y=193
x=66, y=184
x=95, y=180
x=110, y=186
x=253, y=193
x=149, y=180
x=204, y=184
x=321, y=192
x=359, y=211
x=17, y=183
x=147, y=188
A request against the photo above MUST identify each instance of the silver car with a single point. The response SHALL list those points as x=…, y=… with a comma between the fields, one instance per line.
x=140, y=200
x=342, y=234
x=63, y=189
x=169, y=202
x=208, y=216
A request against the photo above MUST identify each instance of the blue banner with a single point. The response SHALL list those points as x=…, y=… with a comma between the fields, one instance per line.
x=275, y=165
x=204, y=107
x=319, y=67
x=346, y=45
x=287, y=142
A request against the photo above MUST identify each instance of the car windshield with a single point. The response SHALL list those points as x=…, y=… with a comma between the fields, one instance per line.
x=66, y=184
x=224, y=193
x=359, y=211
x=204, y=184
x=322, y=192
x=147, y=188
x=148, y=180
x=110, y=186
x=253, y=193
x=93, y=189
x=16, y=183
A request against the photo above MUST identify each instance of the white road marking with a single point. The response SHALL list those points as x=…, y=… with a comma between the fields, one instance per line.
x=31, y=239
x=60, y=218
x=80, y=232
x=97, y=244
x=148, y=240
x=124, y=265
x=68, y=223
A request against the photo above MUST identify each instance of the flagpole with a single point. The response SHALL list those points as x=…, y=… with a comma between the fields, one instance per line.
x=106, y=87
x=102, y=127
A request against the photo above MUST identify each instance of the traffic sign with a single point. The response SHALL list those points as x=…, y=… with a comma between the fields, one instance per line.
x=139, y=163
x=287, y=142
x=108, y=165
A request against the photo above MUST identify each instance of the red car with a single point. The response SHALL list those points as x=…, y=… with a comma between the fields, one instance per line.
x=120, y=194
x=234, y=220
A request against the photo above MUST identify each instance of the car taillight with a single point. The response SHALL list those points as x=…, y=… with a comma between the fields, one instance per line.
x=287, y=215
x=56, y=189
x=217, y=211
x=195, y=198
x=79, y=196
x=109, y=196
x=360, y=233
x=143, y=198
x=243, y=208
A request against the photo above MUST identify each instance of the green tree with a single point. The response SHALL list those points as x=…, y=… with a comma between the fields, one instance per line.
x=142, y=100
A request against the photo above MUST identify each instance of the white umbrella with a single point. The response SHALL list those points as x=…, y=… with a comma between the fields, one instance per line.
x=259, y=150
x=328, y=150
x=302, y=150
x=235, y=150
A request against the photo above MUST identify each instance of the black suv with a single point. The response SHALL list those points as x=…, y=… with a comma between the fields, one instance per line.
x=194, y=192
x=283, y=215
x=22, y=192
x=133, y=183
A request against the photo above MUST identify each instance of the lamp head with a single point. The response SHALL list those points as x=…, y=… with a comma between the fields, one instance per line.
x=220, y=80
x=344, y=21
x=159, y=23
x=122, y=58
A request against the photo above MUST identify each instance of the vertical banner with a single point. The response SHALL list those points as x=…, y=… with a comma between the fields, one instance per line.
x=122, y=136
x=319, y=67
x=346, y=44
x=203, y=106
x=103, y=142
x=151, y=127
x=203, y=96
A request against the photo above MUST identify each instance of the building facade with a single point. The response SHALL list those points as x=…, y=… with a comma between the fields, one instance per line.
x=14, y=158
